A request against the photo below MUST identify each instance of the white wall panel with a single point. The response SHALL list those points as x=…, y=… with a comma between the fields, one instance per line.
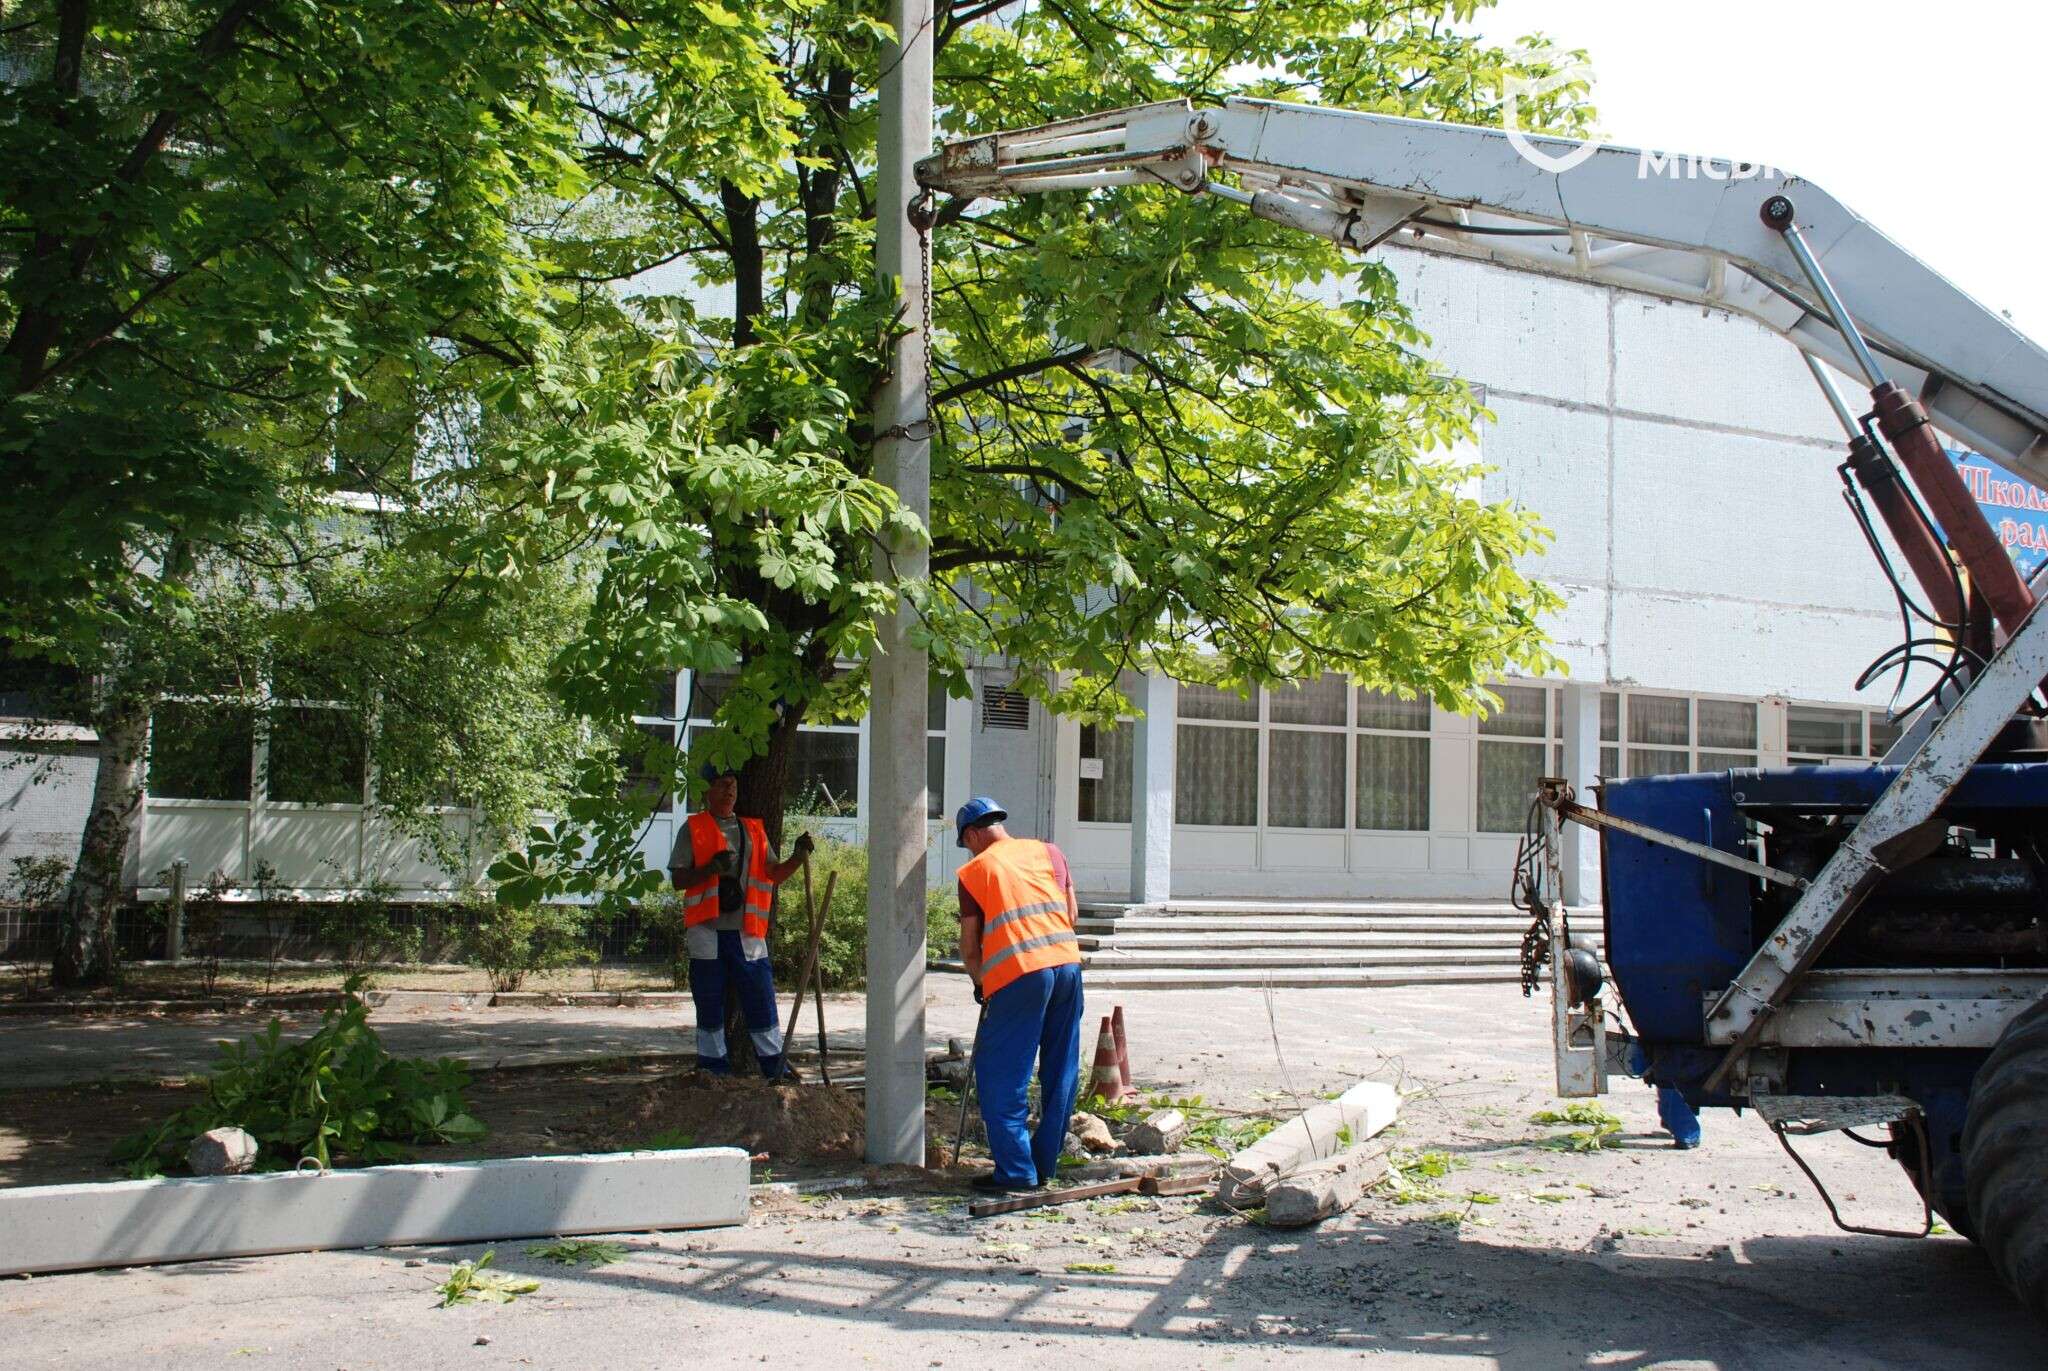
x=1734, y=648
x=207, y=837
x=1753, y=518
x=1553, y=462
x=1715, y=368
x=1508, y=330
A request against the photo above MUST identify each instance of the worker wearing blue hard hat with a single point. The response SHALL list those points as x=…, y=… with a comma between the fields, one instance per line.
x=1017, y=919
x=727, y=871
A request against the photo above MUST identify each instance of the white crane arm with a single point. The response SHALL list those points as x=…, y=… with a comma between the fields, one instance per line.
x=1670, y=226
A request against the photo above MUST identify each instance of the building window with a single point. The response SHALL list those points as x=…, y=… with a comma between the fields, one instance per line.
x=1726, y=734
x=1305, y=761
x=824, y=762
x=1834, y=735
x=648, y=764
x=1107, y=764
x=1514, y=745
x=935, y=750
x=1815, y=735
x=1393, y=763
x=1671, y=735
x=200, y=751
x=317, y=755
x=1216, y=763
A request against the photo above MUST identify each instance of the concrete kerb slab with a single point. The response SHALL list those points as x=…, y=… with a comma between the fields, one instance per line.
x=1313, y=1135
x=130, y=1223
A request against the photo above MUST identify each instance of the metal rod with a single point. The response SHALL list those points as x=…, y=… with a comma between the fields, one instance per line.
x=1594, y=818
x=1839, y=312
x=967, y=1086
x=1834, y=395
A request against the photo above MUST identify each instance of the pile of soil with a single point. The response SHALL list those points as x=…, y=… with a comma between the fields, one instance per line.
x=792, y=1122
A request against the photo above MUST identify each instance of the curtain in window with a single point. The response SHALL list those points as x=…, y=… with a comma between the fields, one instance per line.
x=1393, y=782
x=1108, y=800
x=1508, y=773
x=1207, y=702
x=1379, y=709
x=1319, y=701
x=1659, y=720
x=1305, y=778
x=1521, y=715
x=1216, y=776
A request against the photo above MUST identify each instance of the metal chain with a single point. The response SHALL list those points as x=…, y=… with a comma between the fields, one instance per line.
x=922, y=212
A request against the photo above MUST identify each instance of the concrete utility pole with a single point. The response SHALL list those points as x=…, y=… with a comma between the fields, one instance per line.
x=896, y=713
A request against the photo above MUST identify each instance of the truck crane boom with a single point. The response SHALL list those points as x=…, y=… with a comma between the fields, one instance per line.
x=1617, y=216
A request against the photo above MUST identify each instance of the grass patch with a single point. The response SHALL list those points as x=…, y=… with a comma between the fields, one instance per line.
x=1592, y=1125
x=578, y=1252
x=1413, y=1176
x=469, y=1282
x=1091, y=1268
x=669, y=1140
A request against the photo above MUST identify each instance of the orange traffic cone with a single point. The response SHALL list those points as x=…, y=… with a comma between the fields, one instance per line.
x=1105, y=1080
x=1123, y=1048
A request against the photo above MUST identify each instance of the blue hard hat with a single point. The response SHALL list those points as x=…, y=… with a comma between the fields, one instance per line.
x=982, y=809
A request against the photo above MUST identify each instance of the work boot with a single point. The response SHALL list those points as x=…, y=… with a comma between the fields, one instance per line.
x=993, y=1184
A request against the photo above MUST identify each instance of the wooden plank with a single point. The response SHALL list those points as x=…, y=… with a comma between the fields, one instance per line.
x=982, y=1209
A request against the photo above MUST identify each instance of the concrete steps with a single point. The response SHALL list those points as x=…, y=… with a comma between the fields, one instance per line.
x=1305, y=943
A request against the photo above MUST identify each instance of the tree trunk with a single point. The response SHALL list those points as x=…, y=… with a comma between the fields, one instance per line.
x=86, y=950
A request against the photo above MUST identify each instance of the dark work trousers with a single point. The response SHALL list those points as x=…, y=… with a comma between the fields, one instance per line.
x=756, y=988
x=1035, y=1018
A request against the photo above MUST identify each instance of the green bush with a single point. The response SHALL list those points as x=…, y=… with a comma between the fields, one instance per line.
x=337, y=1094
x=361, y=931
x=37, y=884
x=511, y=942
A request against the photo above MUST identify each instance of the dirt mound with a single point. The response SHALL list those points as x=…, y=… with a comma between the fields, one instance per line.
x=691, y=1109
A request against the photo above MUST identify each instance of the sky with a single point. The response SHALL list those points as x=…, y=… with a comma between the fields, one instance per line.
x=1924, y=120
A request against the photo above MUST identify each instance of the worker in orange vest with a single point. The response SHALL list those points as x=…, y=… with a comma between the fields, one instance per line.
x=1017, y=919
x=728, y=873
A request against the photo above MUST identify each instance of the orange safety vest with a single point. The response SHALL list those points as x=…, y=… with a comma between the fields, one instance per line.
x=1024, y=925
x=700, y=901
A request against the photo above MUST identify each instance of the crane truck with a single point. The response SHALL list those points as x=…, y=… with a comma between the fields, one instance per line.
x=1837, y=949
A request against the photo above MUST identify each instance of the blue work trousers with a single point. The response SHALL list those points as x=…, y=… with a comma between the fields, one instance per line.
x=1035, y=1017
x=756, y=986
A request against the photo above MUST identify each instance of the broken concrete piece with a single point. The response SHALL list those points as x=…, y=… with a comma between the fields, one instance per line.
x=1161, y=1131
x=1092, y=1133
x=221, y=1152
x=1311, y=1136
x=127, y=1223
x=1315, y=1192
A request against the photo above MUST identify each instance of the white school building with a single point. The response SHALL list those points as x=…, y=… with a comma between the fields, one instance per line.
x=1721, y=603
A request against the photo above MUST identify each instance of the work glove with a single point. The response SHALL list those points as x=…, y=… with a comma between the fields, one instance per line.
x=980, y=997
x=805, y=845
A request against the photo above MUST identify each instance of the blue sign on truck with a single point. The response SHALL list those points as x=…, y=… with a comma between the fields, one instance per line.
x=2016, y=508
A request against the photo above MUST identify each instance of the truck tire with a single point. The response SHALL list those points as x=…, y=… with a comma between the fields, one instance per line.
x=2005, y=1156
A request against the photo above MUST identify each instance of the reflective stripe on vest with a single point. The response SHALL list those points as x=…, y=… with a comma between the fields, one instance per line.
x=1025, y=927
x=700, y=901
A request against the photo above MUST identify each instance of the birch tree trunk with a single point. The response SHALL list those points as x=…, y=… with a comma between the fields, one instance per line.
x=86, y=950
